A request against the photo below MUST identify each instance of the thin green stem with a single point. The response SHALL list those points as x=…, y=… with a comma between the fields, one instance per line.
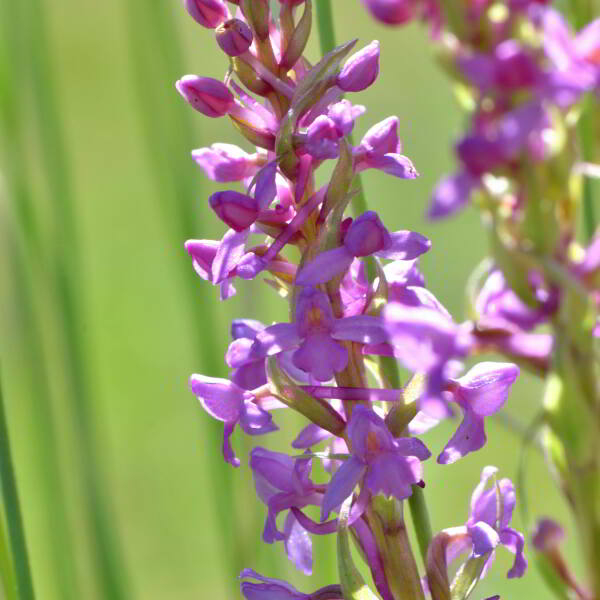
x=421, y=520
x=586, y=135
x=12, y=509
x=325, y=25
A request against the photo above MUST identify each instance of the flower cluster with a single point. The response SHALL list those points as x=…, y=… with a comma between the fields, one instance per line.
x=358, y=303
x=530, y=85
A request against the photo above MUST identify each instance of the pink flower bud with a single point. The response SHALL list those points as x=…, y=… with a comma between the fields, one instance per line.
x=236, y=210
x=208, y=96
x=367, y=235
x=361, y=69
x=209, y=13
x=234, y=37
x=391, y=12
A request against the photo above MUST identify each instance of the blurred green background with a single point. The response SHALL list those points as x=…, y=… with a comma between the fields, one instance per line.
x=123, y=489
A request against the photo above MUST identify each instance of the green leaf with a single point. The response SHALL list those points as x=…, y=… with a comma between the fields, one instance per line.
x=353, y=584
x=467, y=577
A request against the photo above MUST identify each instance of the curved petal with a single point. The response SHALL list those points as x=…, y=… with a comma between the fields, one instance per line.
x=469, y=436
x=485, y=538
x=412, y=447
x=394, y=164
x=298, y=545
x=228, y=453
x=451, y=194
x=320, y=356
x=311, y=435
x=485, y=387
x=256, y=421
x=220, y=398
x=324, y=267
x=515, y=542
x=342, y=484
x=229, y=253
x=275, y=339
x=360, y=328
x=406, y=245
x=394, y=475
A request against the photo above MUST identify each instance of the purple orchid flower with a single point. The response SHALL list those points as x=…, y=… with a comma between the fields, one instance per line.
x=283, y=482
x=270, y=588
x=574, y=57
x=426, y=340
x=481, y=392
x=388, y=465
x=451, y=194
x=366, y=236
x=226, y=162
x=217, y=261
x=315, y=333
x=225, y=401
x=486, y=529
x=381, y=149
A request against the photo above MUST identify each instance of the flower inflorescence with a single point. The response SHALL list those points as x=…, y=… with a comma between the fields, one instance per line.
x=358, y=303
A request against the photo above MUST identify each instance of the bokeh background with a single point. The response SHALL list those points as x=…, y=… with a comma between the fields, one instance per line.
x=123, y=489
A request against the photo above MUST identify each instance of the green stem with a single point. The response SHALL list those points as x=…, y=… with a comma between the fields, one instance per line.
x=421, y=520
x=325, y=25
x=586, y=127
x=14, y=522
x=417, y=504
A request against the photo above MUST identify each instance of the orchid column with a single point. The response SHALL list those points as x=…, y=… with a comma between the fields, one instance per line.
x=330, y=362
x=530, y=85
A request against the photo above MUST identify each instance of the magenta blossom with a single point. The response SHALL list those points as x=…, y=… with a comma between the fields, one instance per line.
x=217, y=261
x=389, y=465
x=426, y=340
x=366, y=236
x=283, y=482
x=226, y=162
x=481, y=392
x=229, y=403
x=486, y=528
x=315, y=333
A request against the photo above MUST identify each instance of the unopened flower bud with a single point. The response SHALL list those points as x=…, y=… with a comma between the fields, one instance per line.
x=361, y=69
x=236, y=210
x=209, y=13
x=367, y=235
x=208, y=96
x=234, y=37
x=391, y=12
